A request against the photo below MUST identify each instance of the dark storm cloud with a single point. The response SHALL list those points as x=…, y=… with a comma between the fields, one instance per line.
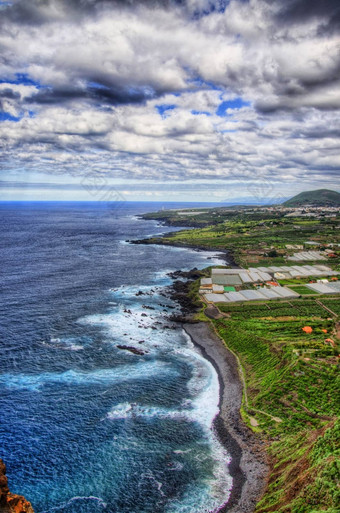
x=297, y=11
x=37, y=12
x=319, y=133
x=9, y=94
x=98, y=94
x=292, y=102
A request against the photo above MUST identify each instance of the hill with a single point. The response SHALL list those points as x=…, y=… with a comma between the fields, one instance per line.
x=319, y=198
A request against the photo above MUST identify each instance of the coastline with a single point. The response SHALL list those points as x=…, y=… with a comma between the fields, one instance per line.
x=248, y=467
x=251, y=466
x=227, y=255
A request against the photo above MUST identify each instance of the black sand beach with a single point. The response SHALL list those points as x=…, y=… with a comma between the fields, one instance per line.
x=248, y=466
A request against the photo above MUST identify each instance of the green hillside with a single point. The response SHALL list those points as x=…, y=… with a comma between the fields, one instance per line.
x=292, y=382
x=320, y=197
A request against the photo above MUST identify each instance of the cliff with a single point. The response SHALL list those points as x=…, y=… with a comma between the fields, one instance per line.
x=9, y=502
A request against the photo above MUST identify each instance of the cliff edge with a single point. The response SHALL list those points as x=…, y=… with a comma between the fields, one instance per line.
x=9, y=502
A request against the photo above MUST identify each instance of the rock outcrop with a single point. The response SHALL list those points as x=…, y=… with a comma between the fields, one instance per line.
x=9, y=502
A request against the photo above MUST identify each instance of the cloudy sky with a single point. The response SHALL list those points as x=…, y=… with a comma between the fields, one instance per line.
x=195, y=100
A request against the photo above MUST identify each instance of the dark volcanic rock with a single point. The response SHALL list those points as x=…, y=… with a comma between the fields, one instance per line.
x=9, y=502
x=132, y=349
x=183, y=319
x=193, y=274
x=179, y=292
x=223, y=253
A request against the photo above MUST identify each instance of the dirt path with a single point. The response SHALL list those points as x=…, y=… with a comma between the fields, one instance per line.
x=326, y=308
x=337, y=330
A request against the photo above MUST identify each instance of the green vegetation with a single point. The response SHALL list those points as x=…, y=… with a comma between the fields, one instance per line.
x=292, y=376
x=332, y=304
x=321, y=197
x=295, y=281
x=306, y=308
x=293, y=392
x=207, y=216
x=300, y=289
x=257, y=241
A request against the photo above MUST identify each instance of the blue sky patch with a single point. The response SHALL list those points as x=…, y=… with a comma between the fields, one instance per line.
x=214, y=6
x=198, y=112
x=5, y=116
x=21, y=79
x=237, y=103
x=162, y=109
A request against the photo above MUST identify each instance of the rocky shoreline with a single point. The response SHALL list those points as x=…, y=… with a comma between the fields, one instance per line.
x=159, y=241
x=187, y=223
x=10, y=502
x=248, y=466
x=169, y=221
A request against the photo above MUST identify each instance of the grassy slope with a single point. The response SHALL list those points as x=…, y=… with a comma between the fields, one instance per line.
x=292, y=377
x=320, y=197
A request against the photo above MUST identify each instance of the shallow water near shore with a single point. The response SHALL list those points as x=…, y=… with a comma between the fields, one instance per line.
x=87, y=426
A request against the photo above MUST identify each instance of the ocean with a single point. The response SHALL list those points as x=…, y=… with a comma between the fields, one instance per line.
x=87, y=427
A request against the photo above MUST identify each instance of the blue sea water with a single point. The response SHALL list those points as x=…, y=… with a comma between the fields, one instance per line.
x=87, y=427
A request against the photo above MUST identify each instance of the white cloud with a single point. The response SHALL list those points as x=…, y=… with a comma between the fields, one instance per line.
x=104, y=75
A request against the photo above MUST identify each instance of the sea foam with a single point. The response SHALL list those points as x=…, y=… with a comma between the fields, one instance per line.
x=120, y=374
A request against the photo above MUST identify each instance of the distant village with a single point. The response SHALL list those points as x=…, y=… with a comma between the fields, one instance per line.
x=305, y=211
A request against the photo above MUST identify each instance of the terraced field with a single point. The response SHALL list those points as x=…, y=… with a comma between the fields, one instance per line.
x=292, y=376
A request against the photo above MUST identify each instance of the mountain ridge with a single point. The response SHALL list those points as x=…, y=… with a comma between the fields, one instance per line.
x=319, y=197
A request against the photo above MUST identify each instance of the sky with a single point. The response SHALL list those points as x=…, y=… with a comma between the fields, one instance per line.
x=169, y=100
